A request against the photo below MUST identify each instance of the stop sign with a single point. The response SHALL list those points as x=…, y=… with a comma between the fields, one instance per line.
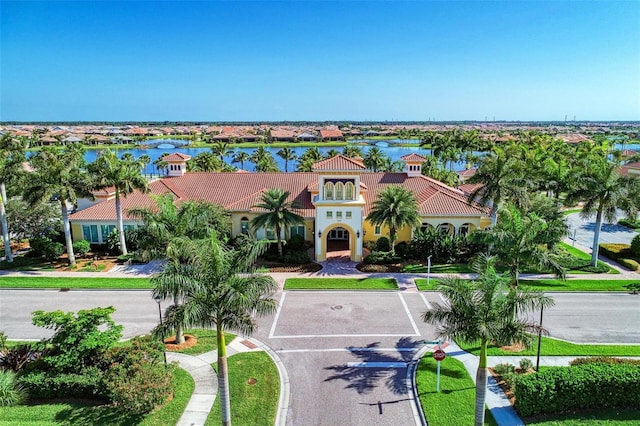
x=439, y=355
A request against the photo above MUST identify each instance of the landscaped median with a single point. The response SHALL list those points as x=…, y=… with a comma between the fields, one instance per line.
x=75, y=282
x=553, y=285
x=340, y=284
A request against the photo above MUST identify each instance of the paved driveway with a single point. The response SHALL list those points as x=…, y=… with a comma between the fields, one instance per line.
x=610, y=232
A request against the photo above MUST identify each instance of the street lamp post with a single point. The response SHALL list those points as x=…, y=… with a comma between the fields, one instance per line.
x=158, y=300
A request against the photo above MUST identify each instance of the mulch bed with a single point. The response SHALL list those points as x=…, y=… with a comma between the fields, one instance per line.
x=366, y=267
x=279, y=267
x=189, y=341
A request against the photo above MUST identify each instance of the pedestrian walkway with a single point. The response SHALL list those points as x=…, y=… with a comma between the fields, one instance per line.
x=206, y=380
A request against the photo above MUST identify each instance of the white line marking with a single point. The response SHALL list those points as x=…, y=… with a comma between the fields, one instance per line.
x=377, y=364
x=406, y=309
x=426, y=302
x=349, y=350
x=275, y=319
x=310, y=336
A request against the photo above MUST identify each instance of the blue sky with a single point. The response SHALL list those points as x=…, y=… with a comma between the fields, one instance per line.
x=262, y=61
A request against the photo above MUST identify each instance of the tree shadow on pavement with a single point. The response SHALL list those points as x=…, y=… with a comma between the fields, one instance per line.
x=365, y=379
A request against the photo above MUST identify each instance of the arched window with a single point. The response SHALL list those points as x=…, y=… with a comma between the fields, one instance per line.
x=348, y=191
x=244, y=226
x=328, y=191
x=339, y=191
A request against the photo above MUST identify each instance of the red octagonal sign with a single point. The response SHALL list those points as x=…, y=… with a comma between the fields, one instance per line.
x=439, y=355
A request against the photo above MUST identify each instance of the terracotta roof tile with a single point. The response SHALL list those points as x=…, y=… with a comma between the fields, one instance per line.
x=339, y=162
x=176, y=156
x=413, y=157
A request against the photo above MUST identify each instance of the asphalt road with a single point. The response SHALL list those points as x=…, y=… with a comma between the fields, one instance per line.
x=610, y=232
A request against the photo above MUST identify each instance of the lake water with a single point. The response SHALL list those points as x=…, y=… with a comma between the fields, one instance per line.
x=394, y=152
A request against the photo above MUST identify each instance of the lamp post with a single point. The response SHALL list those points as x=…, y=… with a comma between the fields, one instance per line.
x=158, y=300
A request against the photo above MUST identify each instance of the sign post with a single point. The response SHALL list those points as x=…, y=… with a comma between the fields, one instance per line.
x=438, y=355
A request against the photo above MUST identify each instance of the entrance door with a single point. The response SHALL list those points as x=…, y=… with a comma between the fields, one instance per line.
x=338, y=240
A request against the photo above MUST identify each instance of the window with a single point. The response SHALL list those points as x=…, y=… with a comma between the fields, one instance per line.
x=90, y=233
x=338, y=215
x=348, y=191
x=125, y=227
x=464, y=229
x=329, y=215
x=244, y=226
x=348, y=215
x=297, y=230
x=328, y=191
x=105, y=230
x=339, y=191
x=270, y=234
x=376, y=230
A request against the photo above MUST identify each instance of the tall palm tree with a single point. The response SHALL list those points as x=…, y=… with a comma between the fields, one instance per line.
x=395, y=207
x=59, y=176
x=204, y=162
x=374, y=159
x=240, y=157
x=226, y=295
x=221, y=149
x=144, y=160
x=287, y=154
x=263, y=160
x=485, y=310
x=279, y=213
x=603, y=190
x=12, y=154
x=124, y=175
x=352, y=151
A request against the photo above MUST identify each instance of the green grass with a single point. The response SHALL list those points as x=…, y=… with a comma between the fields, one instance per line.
x=74, y=282
x=340, y=284
x=600, y=417
x=421, y=283
x=207, y=341
x=84, y=413
x=570, y=211
x=455, y=403
x=584, y=256
x=555, y=347
x=454, y=268
x=577, y=285
x=251, y=404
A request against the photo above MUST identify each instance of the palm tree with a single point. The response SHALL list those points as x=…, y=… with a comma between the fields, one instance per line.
x=352, y=151
x=287, y=154
x=603, y=190
x=144, y=160
x=122, y=174
x=225, y=294
x=521, y=239
x=240, y=157
x=374, y=159
x=11, y=157
x=166, y=221
x=204, y=162
x=263, y=160
x=221, y=149
x=59, y=176
x=485, y=310
x=331, y=153
x=395, y=207
x=279, y=213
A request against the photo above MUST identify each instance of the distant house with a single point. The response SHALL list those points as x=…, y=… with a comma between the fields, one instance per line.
x=334, y=200
x=307, y=137
x=631, y=169
x=282, y=135
x=331, y=135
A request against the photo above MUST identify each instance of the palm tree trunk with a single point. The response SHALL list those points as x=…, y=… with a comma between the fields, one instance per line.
x=123, y=244
x=596, y=237
x=179, y=333
x=67, y=233
x=392, y=238
x=223, y=378
x=481, y=385
x=5, y=226
x=279, y=242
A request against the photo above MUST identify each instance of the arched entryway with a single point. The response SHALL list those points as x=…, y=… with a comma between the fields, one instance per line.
x=339, y=240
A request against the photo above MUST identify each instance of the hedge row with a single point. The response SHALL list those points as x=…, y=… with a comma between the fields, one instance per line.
x=620, y=253
x=585, y=386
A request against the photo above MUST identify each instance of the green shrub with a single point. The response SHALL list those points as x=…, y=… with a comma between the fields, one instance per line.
x=136, y=379
x=383, y=244
x=3, y=341
x=630, y=222
x=402, y=249
x=600, y=268
x=635, y=246
x=297, y=258
x=502, y=369
x=53, y=250
x=48, y=384
x=126, y=257
x=81, y=248
x=37, y=246
x=585, y=386
x=604, y=360
x=381, y=258
x=369, y=245
x=525, y=364
x=628, y=263
x=296, y=243
x=11, y=392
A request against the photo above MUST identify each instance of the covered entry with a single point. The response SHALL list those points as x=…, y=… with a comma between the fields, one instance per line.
x=337, y=240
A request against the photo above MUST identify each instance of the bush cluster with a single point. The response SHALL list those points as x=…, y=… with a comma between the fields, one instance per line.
x=81, y=248
x=381, y=258
x=45, y=247
x=635, y=246
x=583, y=386
x=622, y=254
x=630, y=222
x=294, y=252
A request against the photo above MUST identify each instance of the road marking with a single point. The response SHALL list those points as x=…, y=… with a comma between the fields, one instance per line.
x=311, y=336
x=377, y=364
x=275, y=319
x=406, y=309
x=349, y=350
x=424, y=299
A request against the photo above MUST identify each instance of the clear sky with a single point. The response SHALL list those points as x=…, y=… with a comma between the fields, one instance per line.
x=262, y=61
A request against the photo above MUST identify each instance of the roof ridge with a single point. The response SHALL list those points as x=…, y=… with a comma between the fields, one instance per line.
x=246, y=197
x=171, y=187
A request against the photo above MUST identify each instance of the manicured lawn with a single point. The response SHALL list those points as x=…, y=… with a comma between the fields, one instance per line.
x=340, y=284
x=207, y=341
x=251, y=404
x=586, y=257
x=601, y=417
x=455, y=403
x=74, y=282
x=577, y=285
x=78, y=413
x=455, y=268
x=568, y=212
x=421, y=283
x=551, y=347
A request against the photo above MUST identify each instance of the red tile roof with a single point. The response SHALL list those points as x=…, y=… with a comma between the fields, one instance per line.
x=176, y=156
x=331, y=133
x=413, y=157
x=339, y=162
